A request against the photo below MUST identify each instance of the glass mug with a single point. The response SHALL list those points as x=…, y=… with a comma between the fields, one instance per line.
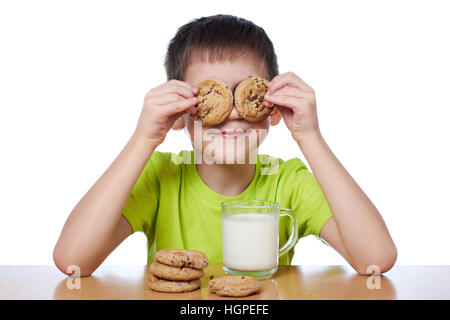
x=250, y=237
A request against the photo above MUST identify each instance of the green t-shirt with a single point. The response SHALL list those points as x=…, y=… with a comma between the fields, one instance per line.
x=175, y=209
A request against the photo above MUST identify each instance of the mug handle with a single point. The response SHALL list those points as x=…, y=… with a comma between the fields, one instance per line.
x=294, y=231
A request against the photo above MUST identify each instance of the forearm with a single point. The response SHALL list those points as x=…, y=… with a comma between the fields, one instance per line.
x=89, y=229
x=361, y=228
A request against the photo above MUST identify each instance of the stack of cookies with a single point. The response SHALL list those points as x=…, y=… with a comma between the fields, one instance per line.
x=177, y=270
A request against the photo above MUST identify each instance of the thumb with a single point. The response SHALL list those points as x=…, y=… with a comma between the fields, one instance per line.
x=284, y=111
x=179, y=123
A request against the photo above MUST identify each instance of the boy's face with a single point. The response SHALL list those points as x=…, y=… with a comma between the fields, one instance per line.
x=234, y=140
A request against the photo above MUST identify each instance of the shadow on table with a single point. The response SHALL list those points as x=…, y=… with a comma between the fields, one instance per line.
x=113, y=286
x=103, y=285
x=300, y=283
x=333, y=282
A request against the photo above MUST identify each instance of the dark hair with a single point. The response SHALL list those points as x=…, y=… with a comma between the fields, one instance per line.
x=218, y=38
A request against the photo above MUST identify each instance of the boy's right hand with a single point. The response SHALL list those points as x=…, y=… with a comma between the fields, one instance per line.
x=162, y=106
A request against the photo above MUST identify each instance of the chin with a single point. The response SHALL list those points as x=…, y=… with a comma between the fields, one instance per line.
x=237, y=155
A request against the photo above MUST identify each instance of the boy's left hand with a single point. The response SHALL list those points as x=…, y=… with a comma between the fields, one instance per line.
x=297, y=103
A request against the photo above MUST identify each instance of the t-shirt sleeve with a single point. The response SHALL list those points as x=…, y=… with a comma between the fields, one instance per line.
x=304, y=195
x=142, y=203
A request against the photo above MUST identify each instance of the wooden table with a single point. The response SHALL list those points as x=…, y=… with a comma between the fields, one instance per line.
x=290, y=282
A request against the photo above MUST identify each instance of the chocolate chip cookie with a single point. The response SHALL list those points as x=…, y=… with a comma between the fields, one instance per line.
x=182, y=258
x=175, y=273
x=215, y=102
x=234, y=286
x=249, y=99
x=162, y=285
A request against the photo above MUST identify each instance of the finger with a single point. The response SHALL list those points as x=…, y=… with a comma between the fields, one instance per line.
x=284, y=101
x=178, y=106
x=180, y=83
x=172, y=87
x=166, y=98
x=293, y=92
x=177, y=121
x=288, y=78
x=284, y=111
x=185, y=84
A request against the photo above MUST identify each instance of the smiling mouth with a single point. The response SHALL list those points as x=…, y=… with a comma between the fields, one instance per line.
x=230, y=133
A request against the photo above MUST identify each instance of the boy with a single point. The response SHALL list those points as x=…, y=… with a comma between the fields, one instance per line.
x=177, y=203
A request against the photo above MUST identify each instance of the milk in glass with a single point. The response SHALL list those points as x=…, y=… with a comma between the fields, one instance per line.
x=250, y=241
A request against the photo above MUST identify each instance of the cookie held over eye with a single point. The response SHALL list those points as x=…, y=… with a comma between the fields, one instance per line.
x=249, y=99
x=214, y=102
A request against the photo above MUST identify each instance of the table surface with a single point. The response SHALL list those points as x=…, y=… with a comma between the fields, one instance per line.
x=290, y=282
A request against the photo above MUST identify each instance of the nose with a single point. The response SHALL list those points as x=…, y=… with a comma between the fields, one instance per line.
x=234, y=115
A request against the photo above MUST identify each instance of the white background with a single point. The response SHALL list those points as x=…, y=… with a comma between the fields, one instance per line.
x=73, y=75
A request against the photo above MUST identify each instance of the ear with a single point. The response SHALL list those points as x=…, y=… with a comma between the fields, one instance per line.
x=275, y=117
x=179, y=123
